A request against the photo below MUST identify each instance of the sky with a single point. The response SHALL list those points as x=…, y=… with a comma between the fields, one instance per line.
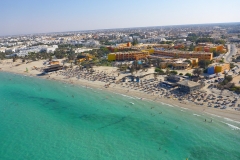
x=43, y=16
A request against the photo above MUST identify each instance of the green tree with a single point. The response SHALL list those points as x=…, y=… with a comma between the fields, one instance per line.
x=132, y=70
x=192, y=37
x=222, y=60
x=189, y=62
x=167, y=71
x=228, y=78
x=188, y=74
x=197, y=71
x=204, y=63
x=191, y=47
x=135, y=42
x=169, y=65
x=155, y=76
x=216, y=54
x=157, y=69
x=173, y=72
x=232, y=65
x=2, y=55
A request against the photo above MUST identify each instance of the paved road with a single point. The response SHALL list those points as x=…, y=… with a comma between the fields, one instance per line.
x=232, y=51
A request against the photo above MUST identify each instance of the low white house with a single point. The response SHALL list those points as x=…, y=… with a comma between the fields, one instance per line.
x=91, y=43
x=3, y=49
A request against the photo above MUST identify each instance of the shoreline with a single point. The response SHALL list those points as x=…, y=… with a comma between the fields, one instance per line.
x=227, y=114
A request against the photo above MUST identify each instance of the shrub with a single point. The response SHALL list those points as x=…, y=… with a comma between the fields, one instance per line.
x=228, y=78
x=157, y=69
x=188, y=74
x=174, y=72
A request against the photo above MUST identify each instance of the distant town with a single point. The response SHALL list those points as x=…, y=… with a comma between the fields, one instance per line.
x=186, y=59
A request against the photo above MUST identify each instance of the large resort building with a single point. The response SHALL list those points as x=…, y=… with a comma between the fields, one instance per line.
x=175, y=58
x=184, y=54
x=132, y=55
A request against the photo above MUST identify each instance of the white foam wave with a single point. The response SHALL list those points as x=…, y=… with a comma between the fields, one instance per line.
x=214, y=115
x=169, y=105
x=138, y=98
x=231, y=126
x=184, y=108
x=228, y=119
x=196, y=115
x=127, y=96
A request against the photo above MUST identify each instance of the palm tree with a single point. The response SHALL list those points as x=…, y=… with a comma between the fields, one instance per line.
x=132, y=69
x=159, y=60
x=149, y=62
x=189, y=62
x=134, y=64
x=146, y=60
x=155, y=76
x=87, y=68
x=79, y=66
x=167, y=71
x=91, y=71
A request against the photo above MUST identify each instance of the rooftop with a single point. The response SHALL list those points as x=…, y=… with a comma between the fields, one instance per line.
x=128, y=52
x=185, y=52
x=188, y=83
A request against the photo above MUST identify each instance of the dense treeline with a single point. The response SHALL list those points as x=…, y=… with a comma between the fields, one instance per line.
x=197, y=39
x=99, y=53
x=192, y=37
x=211, y=40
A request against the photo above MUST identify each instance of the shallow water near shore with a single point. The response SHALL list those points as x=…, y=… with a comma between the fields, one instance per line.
x=43, y=119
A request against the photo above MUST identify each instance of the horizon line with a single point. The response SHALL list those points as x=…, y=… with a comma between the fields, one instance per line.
x=51, y=32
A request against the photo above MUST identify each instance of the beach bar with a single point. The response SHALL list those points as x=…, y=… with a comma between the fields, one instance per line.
x=53, y=68
x=189, y=86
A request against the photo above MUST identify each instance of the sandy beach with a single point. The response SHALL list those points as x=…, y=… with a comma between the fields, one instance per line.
x=34, y=68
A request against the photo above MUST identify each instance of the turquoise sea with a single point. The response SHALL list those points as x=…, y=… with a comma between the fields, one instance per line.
x=48, y=120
